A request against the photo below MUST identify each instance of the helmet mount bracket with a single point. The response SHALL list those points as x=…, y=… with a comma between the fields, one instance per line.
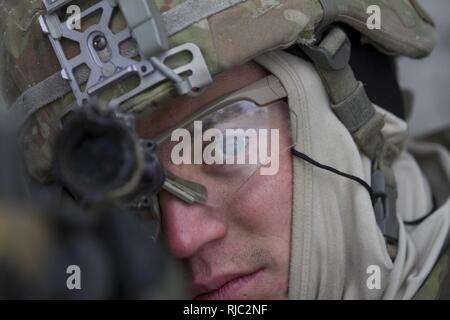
x=101, y=51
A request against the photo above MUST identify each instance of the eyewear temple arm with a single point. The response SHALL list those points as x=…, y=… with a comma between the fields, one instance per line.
x=262, y=92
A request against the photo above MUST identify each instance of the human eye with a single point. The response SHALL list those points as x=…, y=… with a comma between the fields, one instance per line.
x=229, y=153
x=234, y=146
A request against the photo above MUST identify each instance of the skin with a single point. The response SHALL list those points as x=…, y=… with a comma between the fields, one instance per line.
x=243, y=244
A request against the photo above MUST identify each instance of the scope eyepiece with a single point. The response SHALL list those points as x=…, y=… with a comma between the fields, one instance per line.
x=98, y=157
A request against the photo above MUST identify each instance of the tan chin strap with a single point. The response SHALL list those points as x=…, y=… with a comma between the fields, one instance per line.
x=354, y=109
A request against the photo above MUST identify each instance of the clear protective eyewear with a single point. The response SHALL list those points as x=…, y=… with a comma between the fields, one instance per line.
x=211, y=155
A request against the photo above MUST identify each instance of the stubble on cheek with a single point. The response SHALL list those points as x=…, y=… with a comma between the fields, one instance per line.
x=244, y=257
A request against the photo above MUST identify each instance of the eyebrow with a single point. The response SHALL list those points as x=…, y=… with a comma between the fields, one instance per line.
x=222, y=115
x=261, y=92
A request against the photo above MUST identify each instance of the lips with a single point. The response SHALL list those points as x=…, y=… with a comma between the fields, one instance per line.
x=226, y=287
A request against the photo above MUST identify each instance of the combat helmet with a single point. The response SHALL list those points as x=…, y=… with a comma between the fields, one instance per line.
x=130, y=53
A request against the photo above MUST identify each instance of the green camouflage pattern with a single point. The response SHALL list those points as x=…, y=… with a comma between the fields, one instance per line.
x=437, y=284
x=226, y=39
x=405, y=27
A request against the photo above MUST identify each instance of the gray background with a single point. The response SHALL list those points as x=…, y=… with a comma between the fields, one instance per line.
x=430, y=78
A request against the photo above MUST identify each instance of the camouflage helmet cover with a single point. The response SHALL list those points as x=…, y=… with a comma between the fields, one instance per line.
x=253, y=26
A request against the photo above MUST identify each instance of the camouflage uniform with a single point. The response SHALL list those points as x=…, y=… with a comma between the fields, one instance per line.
x=437, y=285
x=253, y=26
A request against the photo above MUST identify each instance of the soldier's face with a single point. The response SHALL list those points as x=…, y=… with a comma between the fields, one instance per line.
x=240, y=249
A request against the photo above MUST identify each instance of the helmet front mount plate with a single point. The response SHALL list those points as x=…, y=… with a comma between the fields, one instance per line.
x=108, y=65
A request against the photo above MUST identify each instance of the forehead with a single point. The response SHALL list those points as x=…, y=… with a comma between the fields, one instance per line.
x=161, y=116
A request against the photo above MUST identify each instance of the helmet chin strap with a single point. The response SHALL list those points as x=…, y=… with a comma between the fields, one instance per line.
x=350, y=103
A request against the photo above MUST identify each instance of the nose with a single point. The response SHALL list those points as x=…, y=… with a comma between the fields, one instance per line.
x=188, y=228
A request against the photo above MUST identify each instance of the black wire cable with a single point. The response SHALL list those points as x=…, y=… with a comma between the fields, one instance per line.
x=418, y=221
x=360, y=181
x=333, y=170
